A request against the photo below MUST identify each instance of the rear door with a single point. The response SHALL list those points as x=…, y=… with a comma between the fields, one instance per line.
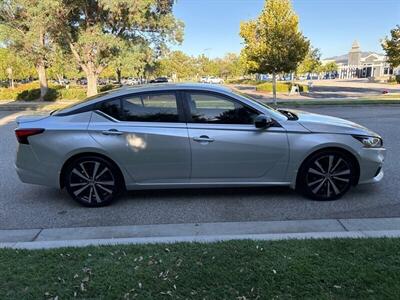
x=225, y=144
x=146, y=134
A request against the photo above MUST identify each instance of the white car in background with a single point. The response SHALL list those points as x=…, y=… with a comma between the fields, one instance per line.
x=215, y=80
x=203, y=79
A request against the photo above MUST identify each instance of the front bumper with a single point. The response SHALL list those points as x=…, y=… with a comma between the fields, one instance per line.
x=371, y=165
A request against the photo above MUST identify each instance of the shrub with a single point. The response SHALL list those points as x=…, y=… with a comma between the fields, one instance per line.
x=245, y=81
x=31, y=92
x=398, y=78
x=108, y=87
x=281, y=87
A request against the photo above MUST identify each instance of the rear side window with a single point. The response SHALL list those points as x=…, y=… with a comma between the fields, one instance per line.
x=112, y=108
x=160, y=107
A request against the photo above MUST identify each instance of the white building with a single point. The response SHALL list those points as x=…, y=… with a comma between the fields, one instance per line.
x=364, y=65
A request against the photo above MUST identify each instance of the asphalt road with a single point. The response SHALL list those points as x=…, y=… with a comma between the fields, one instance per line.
x=29, y=206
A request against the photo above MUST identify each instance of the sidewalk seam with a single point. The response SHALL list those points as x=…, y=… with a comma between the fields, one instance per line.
x=341, y=223
x=37, y=235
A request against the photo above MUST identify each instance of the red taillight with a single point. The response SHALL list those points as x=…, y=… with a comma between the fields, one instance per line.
x=23, y=134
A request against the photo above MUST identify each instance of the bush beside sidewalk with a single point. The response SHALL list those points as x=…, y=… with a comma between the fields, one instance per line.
x=320, y=269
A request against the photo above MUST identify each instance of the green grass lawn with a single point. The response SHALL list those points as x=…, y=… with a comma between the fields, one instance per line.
x=318, y=269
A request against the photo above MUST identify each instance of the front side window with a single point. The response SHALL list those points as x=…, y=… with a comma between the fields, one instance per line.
x=160, y=107
x=217, y=109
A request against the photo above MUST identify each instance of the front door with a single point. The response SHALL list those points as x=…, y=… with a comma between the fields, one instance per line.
x=226, y=146
x=146, y=134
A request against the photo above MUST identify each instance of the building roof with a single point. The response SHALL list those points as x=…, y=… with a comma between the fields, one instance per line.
x=355, y=47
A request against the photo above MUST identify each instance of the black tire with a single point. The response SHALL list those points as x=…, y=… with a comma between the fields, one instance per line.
x=93, y=181
x=326, y=175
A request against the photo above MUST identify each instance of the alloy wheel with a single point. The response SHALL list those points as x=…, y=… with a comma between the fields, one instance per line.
x=328, y=176
x=92, y=182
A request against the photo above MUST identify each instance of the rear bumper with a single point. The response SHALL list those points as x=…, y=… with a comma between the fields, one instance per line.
x=31, y=170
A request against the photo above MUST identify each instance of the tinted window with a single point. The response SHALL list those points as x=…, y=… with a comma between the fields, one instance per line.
x=151, y=108
x=111, y=108
x=210, y=108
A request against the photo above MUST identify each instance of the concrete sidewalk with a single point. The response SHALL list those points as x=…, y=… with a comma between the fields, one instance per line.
x=203, y=232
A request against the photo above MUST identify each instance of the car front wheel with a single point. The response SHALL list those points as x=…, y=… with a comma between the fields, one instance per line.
x=93, y=181
x=326, y=175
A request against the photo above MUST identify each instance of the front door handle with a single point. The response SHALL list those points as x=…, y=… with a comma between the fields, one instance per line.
x=112, y=132
x=203, y=139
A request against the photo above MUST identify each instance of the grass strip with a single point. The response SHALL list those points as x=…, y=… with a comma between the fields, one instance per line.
x=319, y=269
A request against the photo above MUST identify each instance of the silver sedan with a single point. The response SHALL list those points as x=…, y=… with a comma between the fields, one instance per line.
x=188, y=135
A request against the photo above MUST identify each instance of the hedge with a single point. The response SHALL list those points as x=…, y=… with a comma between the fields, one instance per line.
x=281, y=87
x=31, y=92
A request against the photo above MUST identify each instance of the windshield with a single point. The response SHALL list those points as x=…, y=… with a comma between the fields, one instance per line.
x=255, y=100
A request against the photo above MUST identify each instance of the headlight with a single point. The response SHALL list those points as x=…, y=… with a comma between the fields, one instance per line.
x=369, y=141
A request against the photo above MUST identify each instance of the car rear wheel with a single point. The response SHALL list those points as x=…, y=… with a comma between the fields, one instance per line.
x=93, y=181
x=326, y=175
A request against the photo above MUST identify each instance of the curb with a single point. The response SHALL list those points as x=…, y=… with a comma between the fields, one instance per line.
x=202, y=232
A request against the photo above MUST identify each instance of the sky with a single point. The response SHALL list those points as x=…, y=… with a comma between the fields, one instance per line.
x=212, y=26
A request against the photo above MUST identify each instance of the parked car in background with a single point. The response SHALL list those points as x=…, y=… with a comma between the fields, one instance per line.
x=192, y=135
x=103, y=81
x=203, y=79
x=214, y=80
x=159, y=80
x=81, y=81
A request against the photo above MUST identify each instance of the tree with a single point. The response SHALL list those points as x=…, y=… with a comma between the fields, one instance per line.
x=177, y=65
x=13, y=67
x=230, y=65
x=329, y=67
x=130, y=61
x=206, y=66
x=25, y=26
x=273, y=42
x=392, y=47
x=311, y=62
x=96, y=30
x=62, y=66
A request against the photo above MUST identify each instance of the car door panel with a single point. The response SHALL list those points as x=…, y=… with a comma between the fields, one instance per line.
x=225, y=144
x=151, y=153
x=238, y=152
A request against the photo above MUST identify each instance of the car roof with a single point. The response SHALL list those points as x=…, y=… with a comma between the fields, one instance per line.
x=127, y=90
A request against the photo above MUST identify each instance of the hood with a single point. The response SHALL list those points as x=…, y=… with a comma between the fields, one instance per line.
x=328, y=124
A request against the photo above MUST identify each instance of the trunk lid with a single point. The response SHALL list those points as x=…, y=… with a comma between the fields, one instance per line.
x=31, y=118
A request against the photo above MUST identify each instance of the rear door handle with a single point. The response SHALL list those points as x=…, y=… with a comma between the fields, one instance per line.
x=202, y=139
x=112, y=132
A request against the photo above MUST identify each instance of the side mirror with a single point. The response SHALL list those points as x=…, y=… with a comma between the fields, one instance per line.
x=262, y=121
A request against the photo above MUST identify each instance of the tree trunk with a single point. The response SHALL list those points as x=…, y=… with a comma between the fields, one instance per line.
x=11, y=78
x=60, y=79
x=91, y=83
x=41, y=70
x=118, y=75
x=274, y=87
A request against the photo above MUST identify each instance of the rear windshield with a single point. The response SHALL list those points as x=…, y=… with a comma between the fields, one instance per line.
x=74, y=104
